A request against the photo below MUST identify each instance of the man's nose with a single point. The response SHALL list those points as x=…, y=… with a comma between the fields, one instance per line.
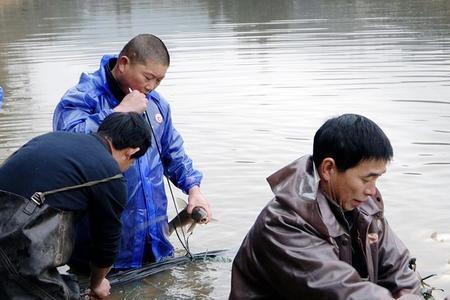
x=371, y=189
x=151, y=85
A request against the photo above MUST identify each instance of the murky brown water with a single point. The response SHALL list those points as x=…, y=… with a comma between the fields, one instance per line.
x=250, y=82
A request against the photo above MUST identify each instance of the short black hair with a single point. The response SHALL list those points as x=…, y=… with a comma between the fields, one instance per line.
x=146, y=46
x=350, y=139
x=127, y=130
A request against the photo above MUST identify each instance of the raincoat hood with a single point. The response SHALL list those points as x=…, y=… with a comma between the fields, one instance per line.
x=297, y=187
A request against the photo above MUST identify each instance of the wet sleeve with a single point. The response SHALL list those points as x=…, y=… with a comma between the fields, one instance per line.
x=79, y=110
x=393, y=270
x=293, y=261
x=178, y=164
x=104, y=216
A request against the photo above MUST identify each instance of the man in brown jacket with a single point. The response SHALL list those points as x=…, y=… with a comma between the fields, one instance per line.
x=324, y=235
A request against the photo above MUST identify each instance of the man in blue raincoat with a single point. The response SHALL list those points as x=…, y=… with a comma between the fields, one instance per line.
x=127, y=83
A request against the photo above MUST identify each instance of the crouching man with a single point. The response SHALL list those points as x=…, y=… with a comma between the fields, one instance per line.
x=324, y=235
x=46, y=186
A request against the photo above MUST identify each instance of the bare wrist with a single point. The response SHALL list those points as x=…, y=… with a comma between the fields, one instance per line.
x=193, y=190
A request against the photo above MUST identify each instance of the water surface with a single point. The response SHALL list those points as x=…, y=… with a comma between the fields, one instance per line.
x=249, y=83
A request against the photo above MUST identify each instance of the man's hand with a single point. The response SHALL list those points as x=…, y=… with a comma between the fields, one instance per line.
x=195, y=199
x=100, y=291
x=135, y=101
x=99, y=284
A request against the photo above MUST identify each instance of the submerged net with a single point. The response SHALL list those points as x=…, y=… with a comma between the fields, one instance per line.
x=128, y=276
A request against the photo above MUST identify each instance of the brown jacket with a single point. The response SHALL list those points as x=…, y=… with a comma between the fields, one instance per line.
x=297, y=249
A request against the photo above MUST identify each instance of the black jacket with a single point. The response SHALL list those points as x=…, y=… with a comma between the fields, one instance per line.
x=61, y=159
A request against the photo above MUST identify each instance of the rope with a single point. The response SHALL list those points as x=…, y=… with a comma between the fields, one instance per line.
x=39, y=197
x=185, y=244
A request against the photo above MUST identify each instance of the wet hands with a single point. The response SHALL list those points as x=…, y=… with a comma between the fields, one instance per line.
x=135, y=101
x=196, y=199
x=101, y=291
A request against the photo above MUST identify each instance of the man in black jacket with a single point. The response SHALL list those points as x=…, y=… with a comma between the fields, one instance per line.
x=46, y=186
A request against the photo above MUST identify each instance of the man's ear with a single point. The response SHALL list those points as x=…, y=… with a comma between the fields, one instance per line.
x=327, y=168
x=130, y=151
x=122, y=62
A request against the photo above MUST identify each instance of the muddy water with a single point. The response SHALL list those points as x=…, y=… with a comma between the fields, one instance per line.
x=250, y=82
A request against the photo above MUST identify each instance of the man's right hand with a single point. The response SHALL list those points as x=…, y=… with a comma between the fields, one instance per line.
x=100, y=291
x=99, y=284
x=135, y=101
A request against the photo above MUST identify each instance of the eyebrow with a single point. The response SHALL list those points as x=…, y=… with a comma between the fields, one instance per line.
x=151, y=74
x=372, y=174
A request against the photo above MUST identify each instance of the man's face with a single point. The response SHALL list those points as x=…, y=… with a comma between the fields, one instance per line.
x=353, y=187
x=126, y=164
x=123, y=157
x=142, y=77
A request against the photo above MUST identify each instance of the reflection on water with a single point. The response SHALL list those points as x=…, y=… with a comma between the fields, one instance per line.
x=250, y=82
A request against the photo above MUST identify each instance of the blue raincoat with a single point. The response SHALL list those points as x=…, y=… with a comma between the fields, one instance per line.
x=144, y=219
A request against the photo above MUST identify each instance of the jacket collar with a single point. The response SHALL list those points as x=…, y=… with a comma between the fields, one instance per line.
x=113, y=84
x=335, y=228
